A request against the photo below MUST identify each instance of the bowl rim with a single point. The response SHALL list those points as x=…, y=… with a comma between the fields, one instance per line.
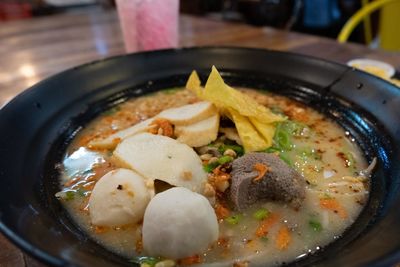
x=46, y=257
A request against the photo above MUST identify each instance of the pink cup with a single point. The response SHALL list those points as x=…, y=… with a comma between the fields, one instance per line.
x=149, y=24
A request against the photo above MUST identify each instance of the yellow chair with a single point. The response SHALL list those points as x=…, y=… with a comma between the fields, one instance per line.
x=389, y=24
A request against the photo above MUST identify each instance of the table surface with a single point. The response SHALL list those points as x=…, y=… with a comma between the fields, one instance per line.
x=32, y=50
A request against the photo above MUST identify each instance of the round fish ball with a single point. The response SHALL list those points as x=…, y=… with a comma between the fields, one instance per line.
x=120, y=197
x=179, y=223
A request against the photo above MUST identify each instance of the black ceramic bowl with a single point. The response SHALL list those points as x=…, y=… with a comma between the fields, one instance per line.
x=36, y=126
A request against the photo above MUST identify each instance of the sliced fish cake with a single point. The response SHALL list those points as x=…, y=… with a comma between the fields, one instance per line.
x=189, y=114
x=198, y=134
x=184, y=115
x=163, y=158
x=113, y=140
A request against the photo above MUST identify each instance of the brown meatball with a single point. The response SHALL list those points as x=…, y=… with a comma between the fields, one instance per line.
x=261, y=176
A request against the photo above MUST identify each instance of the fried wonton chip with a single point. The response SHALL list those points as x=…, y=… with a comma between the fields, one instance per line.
x=194, y=84
x=254, y=122
x=251, y=139
x=266, y=130
x=223, y=95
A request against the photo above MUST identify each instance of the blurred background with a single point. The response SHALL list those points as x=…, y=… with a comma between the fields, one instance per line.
x=322, y=17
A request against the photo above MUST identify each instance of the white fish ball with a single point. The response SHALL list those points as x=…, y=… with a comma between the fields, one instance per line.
x=179, y=223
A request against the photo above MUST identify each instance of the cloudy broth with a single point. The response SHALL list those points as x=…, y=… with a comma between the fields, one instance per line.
x=268, y=233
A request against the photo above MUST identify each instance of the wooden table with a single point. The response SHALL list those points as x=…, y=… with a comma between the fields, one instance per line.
x=35, y=49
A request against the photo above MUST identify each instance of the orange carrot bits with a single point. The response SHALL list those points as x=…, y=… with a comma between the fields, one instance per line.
x=190, y=260
x=223, y=242
x=283, y=238
x=266, y=225
x=221, y=211
x=262, y=169
x=101, y=229
x=139, y=245
x=333, y=205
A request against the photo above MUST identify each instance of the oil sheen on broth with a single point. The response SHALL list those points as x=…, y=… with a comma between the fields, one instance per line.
x=266, y=233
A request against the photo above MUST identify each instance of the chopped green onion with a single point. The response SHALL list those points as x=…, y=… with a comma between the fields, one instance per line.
x=282, y=139
x=284, y=132
x=69, y=195
x=261, y=214
x=81, y=192
x=284, y=146
x=224, y=159
x=171, y=91
x=307, y=152
x=234, y=219
x=295, y=128
x=150, y=261
x=111, y=111
x=210, y=167
x=299, y=130
x=285, y=157
x=238, y=149
x=315, y=225
x=277, y=110
x=264, y=238
x=272, y=149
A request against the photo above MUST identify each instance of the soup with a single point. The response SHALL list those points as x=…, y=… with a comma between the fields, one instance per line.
x=252, y=208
